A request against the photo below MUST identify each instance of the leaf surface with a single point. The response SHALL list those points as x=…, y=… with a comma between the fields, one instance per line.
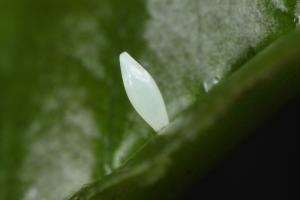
x=65, y=120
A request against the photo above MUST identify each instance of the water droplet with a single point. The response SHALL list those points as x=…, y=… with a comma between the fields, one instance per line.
x=209, y=84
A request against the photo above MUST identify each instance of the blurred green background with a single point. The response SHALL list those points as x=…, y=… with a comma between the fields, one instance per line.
x=65, y=120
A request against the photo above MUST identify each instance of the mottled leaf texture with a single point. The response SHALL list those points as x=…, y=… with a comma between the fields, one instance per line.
x=67, y=129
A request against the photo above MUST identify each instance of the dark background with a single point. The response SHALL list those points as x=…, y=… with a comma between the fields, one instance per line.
x=262, y=167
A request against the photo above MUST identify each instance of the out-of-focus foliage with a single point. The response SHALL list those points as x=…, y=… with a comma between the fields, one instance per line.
x=65, y=120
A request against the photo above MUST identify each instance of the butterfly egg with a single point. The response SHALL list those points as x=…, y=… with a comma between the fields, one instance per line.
x=143, y=93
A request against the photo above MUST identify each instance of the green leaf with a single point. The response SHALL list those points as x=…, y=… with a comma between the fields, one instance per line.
x=170, y=162
x=65, y=120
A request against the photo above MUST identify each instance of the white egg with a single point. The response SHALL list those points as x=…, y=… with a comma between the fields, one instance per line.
x=143, y=93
